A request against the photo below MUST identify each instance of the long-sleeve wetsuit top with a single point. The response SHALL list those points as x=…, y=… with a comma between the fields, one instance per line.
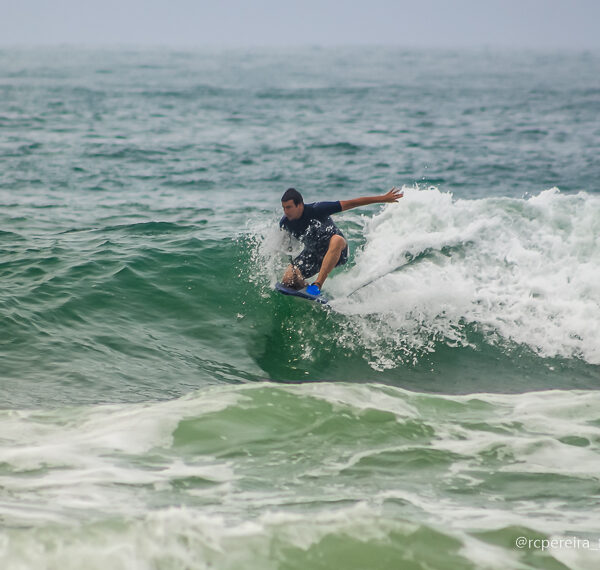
x=315, y=227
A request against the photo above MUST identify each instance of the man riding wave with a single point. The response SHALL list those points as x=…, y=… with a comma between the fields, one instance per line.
x=325, y=247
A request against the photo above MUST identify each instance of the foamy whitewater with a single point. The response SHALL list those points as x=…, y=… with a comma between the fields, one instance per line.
x=187, y=482
x=520, y=271
x=162, y=407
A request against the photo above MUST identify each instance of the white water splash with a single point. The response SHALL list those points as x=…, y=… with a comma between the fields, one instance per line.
x=522, y=271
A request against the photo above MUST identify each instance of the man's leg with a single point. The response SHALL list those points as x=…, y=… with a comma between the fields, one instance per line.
x=293, y=278
x=337, y=244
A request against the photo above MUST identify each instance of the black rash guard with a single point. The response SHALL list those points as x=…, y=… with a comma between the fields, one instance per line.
x=315, y=227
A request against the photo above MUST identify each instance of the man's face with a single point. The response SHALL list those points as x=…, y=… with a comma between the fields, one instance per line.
x=291, y=211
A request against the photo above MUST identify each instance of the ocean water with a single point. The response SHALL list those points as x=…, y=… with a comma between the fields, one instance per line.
x=163, y=408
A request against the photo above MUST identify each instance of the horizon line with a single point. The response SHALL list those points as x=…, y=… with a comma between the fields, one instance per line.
x=312, y=45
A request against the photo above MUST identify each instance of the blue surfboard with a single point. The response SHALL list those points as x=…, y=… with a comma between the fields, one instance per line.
x=300, y=293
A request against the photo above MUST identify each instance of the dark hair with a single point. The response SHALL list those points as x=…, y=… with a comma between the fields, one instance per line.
x=292, y=194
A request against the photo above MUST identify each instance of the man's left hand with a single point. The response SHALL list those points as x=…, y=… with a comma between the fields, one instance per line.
x=393, y=195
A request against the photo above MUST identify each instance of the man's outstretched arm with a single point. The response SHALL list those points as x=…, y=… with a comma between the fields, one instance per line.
x=392, y=196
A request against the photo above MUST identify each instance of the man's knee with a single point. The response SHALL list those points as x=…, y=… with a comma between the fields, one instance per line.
x=337, y=243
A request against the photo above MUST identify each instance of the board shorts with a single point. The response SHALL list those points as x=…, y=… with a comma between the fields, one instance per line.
x=309, y=261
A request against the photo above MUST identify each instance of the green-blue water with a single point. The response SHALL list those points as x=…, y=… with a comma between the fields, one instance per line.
x=162, y=407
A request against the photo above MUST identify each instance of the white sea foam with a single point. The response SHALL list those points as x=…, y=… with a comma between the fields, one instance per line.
x=522, y=271
x=110, y=484
x=551, y=433
x=76, y=461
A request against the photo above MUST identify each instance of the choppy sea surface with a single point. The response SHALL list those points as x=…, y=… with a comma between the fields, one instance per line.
x=161, y=407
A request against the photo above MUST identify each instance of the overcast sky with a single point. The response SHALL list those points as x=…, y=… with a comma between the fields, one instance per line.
x=417, y=23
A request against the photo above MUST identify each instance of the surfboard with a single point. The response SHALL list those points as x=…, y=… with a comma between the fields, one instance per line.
x=300, y=293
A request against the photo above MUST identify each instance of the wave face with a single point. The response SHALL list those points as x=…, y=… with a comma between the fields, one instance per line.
x=440, y=294
x=162, y=407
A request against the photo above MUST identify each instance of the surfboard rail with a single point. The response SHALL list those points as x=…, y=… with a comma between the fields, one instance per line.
x=300, y=293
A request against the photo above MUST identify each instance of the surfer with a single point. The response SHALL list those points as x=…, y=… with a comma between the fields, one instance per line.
x=325, y=247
